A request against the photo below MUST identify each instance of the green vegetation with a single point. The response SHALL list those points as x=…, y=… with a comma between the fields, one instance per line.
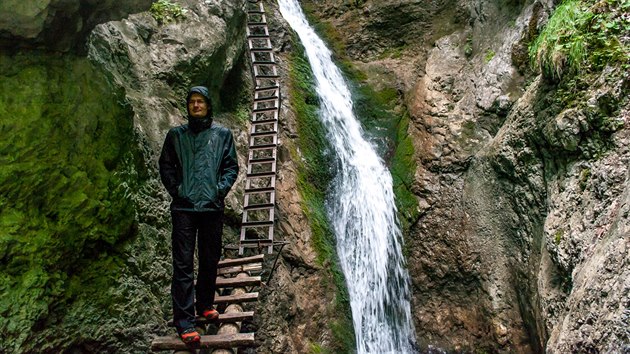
x=314, y=176
x=65, y=204
x=558, y=236
x=582, y=35
x=165, y=11
x=489, y=55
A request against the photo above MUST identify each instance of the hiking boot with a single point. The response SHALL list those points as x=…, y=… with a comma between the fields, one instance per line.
x=190, y=336
x=210, y=314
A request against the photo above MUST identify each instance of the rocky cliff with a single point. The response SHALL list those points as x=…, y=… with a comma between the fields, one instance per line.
x=521, y=238
x=512, y=184
x=85, y=243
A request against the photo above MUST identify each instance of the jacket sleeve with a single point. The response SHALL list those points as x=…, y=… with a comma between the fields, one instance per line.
x=169, y=166
x=229, y=166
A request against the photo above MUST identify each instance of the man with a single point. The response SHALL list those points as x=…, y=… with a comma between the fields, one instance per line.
x=198, y=166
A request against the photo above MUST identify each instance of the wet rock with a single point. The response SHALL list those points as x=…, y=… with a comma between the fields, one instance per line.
x=58, y=25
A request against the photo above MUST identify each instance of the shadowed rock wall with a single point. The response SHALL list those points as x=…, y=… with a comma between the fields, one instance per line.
x=507, y=251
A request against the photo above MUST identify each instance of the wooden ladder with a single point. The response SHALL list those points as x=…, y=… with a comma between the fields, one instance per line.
x=257, y=226
x=227, y=271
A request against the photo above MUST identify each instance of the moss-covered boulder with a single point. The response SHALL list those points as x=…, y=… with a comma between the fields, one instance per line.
x=65, y=187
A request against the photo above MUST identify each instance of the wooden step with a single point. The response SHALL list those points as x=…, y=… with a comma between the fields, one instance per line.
x=223, y=318
x=264, y=88
x=257, y=223
x=263, y=62
x=261, y=49
x=268, y=109
x=258, y=242
x=267, y=133
x=238, y=282
x=263, y=121
x=261, y=160
x=267, y=76
x=225, y=341
x=262, y=174
x=266, y=98
x=259, y=206
x=259, y=190
x=231, y=299
x=239, y=261
x=244, y=268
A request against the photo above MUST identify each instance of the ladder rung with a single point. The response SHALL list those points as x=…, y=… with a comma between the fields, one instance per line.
x=262, y=160
x=256, y=223
x=266, y=88
x=264, y=121
x=238, y=282
x=255, y=12
x=261, y=49
x=238, y=261
x=262, y=146
x=262, y=174
x=259, y=206
x=268, y=109
x=268, y=98
x=225, y=341
x=258, y=36
x=263, y=62
x=264, y=134
x=259, y=190
x=273, y=132
x=247, y=297
x=267, y=76
x=247, y=268
x=223, y=318
x=249, y=242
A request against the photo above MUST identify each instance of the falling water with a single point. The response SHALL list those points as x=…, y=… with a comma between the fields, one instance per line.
x=361, y=209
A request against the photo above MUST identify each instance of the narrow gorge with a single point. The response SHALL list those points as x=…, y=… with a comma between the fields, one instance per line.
x=493, y=134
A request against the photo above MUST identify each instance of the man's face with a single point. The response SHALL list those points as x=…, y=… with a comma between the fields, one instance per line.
x=197, y=106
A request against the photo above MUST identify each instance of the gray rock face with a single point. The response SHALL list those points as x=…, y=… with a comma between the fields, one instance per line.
x=58, y=25
x=522, y=241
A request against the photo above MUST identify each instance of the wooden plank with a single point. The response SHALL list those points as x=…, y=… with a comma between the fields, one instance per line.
x=230, y=299
x=209, y=341
x=224, y=318
x=237, y=282
x=250, y=268
x=239, y=261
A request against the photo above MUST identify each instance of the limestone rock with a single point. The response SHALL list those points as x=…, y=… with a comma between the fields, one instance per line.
x=58, y=25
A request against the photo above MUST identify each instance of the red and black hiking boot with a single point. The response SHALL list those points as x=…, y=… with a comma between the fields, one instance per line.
x=190, y=336
x=210, y=314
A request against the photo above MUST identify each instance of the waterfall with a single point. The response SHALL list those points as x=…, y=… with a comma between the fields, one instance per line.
x=361, y=210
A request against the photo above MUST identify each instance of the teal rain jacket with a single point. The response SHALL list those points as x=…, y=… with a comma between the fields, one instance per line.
x=198, y=165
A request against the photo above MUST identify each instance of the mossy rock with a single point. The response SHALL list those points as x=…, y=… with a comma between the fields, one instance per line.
x=65, y=190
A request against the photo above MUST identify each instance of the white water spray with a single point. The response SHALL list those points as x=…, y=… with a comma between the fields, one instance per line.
x=361, y=209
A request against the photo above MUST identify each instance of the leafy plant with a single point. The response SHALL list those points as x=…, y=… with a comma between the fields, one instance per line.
x=582, y=35
x=489, y=55
x=165, y=11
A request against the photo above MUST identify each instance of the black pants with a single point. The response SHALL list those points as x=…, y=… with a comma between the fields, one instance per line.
x=206, y=228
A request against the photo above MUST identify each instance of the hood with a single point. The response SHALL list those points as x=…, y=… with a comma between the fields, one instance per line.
x=199, y=124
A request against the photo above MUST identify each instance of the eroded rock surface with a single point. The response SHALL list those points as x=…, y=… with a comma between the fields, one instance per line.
x=520, y=245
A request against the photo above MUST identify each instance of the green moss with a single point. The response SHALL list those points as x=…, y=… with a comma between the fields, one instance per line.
x=313, y=181
x=489, y=55
x=165, y=11
x=64, y=187
x=557, y=237
x=403, y=169
x=582, y=35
